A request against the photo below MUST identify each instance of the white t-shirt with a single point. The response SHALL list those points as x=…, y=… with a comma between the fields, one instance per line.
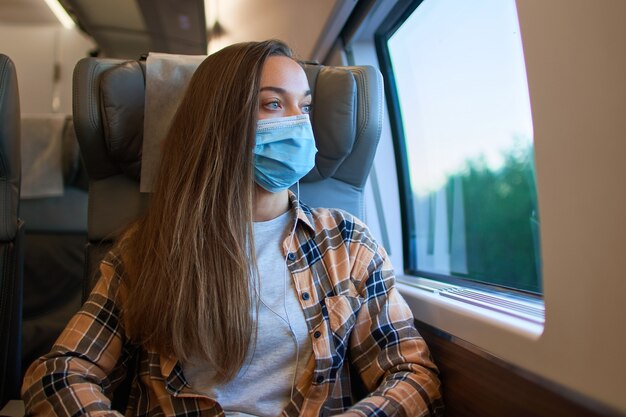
x=263, y=385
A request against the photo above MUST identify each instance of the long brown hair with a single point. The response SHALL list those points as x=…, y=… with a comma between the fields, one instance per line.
x=187, y=261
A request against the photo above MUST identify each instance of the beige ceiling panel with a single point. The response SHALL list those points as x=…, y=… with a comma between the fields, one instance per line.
x=26, y=12
x=297, y=22
x=113, y=13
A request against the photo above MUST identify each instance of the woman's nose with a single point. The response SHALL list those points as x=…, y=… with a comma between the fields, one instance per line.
x=293, y=110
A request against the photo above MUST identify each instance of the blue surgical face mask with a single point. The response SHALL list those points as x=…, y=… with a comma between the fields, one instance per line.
x=284, y=152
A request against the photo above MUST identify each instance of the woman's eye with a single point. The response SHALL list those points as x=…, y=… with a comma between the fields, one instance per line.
x=307, y=108
x=272, y=105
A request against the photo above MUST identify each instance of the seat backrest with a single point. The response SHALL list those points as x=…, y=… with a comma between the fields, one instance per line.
x=10, y=234
x=108, y=113
x=55, y=229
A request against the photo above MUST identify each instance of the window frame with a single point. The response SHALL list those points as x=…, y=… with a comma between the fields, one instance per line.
x=387, y=28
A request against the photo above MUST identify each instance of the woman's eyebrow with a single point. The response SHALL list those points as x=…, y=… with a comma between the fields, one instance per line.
x=280, y=90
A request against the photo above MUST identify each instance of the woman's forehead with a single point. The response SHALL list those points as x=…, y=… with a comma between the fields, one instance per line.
x=285, y=73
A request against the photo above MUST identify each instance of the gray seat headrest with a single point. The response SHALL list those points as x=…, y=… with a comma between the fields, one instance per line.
x=10, y=165
x=122, y=109
x=347, y=119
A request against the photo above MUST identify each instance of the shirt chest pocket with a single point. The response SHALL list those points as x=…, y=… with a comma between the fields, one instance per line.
x=342, y=313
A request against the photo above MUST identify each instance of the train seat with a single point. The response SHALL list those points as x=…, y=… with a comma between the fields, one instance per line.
x=108, y=108
x=11, y=231
x=53, y=205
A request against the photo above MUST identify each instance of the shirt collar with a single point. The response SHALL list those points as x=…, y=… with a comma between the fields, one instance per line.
x=303, y=212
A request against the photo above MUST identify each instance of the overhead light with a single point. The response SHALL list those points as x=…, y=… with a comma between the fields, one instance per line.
x=60, y=13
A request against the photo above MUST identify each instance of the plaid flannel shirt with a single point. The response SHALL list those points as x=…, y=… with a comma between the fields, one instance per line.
x=361, y=329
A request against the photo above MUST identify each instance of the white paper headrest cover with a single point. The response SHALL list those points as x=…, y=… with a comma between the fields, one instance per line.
x=167, y=77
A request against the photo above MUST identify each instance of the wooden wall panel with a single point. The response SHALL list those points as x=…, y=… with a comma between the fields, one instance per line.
x=476, y=383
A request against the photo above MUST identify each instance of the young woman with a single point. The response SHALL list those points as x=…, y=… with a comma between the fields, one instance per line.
x=229, y=295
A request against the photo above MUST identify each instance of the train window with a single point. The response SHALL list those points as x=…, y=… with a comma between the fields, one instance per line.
x=456, y=79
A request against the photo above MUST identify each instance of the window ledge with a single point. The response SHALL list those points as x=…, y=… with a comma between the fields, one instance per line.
x=468, y=312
